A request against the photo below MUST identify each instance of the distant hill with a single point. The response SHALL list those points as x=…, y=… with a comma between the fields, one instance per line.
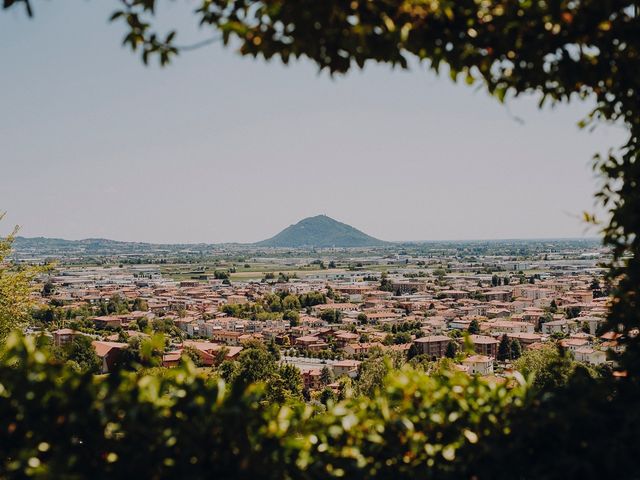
x=320, y=231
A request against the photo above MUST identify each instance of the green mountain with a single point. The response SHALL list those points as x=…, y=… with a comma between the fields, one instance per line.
x=320, y=231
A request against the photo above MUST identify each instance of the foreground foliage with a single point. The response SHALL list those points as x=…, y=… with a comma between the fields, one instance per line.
x=56, y=422
x=15, y=288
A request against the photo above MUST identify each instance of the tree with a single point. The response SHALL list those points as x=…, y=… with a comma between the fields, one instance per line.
x=192, y=354
x=331, y=315
x=291, y=302
x=326, y=375
x=140, y=305
x=362, y=318
x=327, y=395
x=255, y=365
x=549, y=368
x=221, y=275
x=292, y=379
x=413, y=351
x=48, y=288
x=504, y=349
x=451, y=351
x=15, y=288
x=142, y=352
x=273, y=350
x=474, y=327
x=292, y=317
x=402, y=337
x=516, y=349
x=220, y=355
x=284, y=385
x=80, y=350
x=228, y=371
x=371, y=374
x=385, y=283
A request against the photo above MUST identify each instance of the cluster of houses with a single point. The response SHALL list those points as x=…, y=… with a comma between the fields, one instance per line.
x=558, y=306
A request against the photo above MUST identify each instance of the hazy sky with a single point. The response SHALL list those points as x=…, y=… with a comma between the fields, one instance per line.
x=223, y=148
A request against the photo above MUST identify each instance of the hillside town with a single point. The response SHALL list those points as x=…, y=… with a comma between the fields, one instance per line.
x=481, y=319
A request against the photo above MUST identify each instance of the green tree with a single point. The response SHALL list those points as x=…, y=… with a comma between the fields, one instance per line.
x=516, y=349
x=504, y=349
x=326, y=375
x=285, y=385
x=413, y=351
x=255, y=365
x=228, y=371
x=292, y=380
x=385, y=283
x=192, y=354
x=327, y=395
x=140, y=305
x=291, y=302
x=331, y=315
x=451, y=350
x=48, y=289
x=80, y=351
x=15, y=288
x=549, y=368
x=474, y=327
x=292, y=317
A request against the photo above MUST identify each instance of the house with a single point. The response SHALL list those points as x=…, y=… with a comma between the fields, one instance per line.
x=484, y=345
x=207, y=351
x=344, y=338
x=226, y=336
x=590, y=355
x=107, y=321
x=346, y=367
x=508, y=326
x=109, y=353
x=559, y=326
x=311, y=343
x=573, y=344
x=64, y=336
x=593, y=323
x=479, y=365
x=312, y=379
x=359, y=348
x=433, y=345
x=525, y=339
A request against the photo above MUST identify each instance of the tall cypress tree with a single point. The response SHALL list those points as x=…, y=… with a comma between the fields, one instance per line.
x=504, y=349
x=516, y=349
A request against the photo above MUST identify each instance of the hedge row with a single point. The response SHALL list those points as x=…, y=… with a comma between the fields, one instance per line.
x=58, y=423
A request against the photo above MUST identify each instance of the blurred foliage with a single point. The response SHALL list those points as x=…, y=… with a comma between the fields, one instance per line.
x=16, y=287
x=57, y=422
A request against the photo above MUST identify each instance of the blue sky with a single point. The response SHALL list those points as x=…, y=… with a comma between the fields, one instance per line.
x=219, y=148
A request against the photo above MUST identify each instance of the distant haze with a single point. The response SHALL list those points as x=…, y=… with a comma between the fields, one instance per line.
x=219, y=148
